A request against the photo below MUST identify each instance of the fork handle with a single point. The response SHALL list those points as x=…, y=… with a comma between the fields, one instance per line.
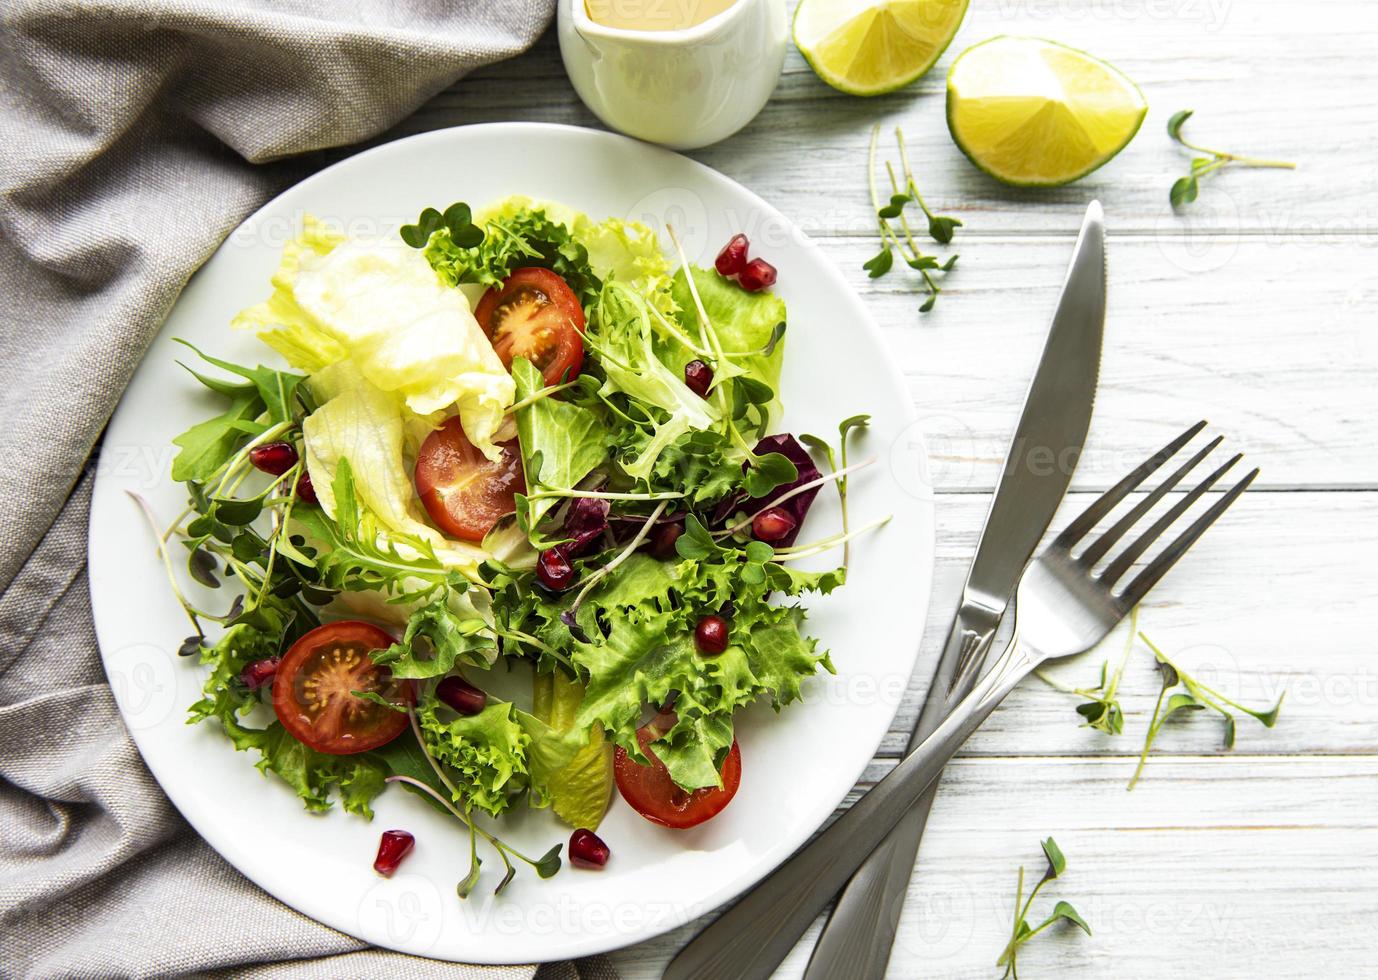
x=749, y=940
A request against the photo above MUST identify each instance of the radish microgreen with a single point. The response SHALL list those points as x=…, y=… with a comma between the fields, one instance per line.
x=1185, y=189
x=1194, y=696
x=1021, y=932
x=940, y=227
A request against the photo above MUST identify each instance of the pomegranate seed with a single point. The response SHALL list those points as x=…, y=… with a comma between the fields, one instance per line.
x=698, y=376
x=732, y=259
x=587, y=850
x=259, y=673
x=554, y=571
x=710, y=635
x=274, y=458
x=306, y=490
x=758, y=275
x=395, y=845
x=773, y=525
x=461, y=695
x=663, y=538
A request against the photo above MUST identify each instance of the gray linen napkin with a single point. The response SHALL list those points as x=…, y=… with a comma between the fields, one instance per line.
x=133, y=138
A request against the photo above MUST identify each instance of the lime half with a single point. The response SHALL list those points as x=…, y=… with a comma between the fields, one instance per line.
x=1039, y=114
x=869, y=47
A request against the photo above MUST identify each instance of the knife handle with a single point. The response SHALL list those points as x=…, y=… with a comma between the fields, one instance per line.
x=860, y=931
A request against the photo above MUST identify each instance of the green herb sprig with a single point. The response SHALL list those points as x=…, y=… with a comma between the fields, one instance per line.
x=1194, y=696
x=1185, y=189
x=941, y=228
x=1021, y=932
x=1102, y=709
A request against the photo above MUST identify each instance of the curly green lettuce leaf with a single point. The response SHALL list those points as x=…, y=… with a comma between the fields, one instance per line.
x=378, y=306
x=314, y=776
x=438, y=639
x=486, y=752
x=622, y=332
x=635, y=644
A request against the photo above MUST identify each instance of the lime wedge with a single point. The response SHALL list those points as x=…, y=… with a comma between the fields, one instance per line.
x=869, y=47
x=1035, y=113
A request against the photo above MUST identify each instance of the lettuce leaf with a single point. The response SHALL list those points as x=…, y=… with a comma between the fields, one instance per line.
x=573, y=777
x=451, y=639
x=377, y=305
x=622, y=334
x=360, y=422
x=561, y=442
x=633, y=642
x=486, y=751
x=745, y=323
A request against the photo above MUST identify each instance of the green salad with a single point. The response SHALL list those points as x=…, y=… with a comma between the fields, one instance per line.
x=518, y=442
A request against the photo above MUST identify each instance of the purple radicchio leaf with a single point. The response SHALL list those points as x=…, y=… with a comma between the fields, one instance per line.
x=585, y=523
x=797, y=506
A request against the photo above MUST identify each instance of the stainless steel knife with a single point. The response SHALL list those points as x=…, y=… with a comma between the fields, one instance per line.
x=1047, y=443
x=858, y=936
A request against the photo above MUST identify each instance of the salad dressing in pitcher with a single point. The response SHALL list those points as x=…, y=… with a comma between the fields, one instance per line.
x=654, y=15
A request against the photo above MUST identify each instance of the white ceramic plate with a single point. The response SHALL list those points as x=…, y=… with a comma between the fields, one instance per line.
x=796, y=766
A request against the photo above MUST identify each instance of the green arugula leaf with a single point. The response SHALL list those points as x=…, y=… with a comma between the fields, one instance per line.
x=276, y=388
x=209, y=445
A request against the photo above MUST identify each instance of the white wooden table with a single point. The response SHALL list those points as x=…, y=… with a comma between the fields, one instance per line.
x=1254, y=309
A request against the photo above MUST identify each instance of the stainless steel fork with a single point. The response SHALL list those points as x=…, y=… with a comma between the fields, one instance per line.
x=1063, y=607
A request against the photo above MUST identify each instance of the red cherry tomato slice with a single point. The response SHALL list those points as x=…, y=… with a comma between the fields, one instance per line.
x=465, y=492
x=653, y=794
x=535, y=315
x=312, y=690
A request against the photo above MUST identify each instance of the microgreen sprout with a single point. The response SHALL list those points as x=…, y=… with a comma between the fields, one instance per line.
x=902, y=193
x=1184, y=189
x=1195, y=696
x=546, y=865
x=1021, y=932
x=1102, y=709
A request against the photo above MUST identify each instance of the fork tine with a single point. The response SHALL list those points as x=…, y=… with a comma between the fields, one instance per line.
x=1098, y=548
x=1157, y=568
x=1143, y=542
x=1106, y=502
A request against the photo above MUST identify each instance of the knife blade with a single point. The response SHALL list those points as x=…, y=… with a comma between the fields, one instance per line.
x=1047, y=443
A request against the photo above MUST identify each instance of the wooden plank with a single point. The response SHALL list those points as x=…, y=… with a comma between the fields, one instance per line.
x=1270, y=342
x=1248, y=69
x=1230, y=868
x=1278, y=596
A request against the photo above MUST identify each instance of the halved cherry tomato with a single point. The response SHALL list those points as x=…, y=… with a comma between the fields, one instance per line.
x=653, y=794
x=464, y=491
x=313, y=690
x=534, y=314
